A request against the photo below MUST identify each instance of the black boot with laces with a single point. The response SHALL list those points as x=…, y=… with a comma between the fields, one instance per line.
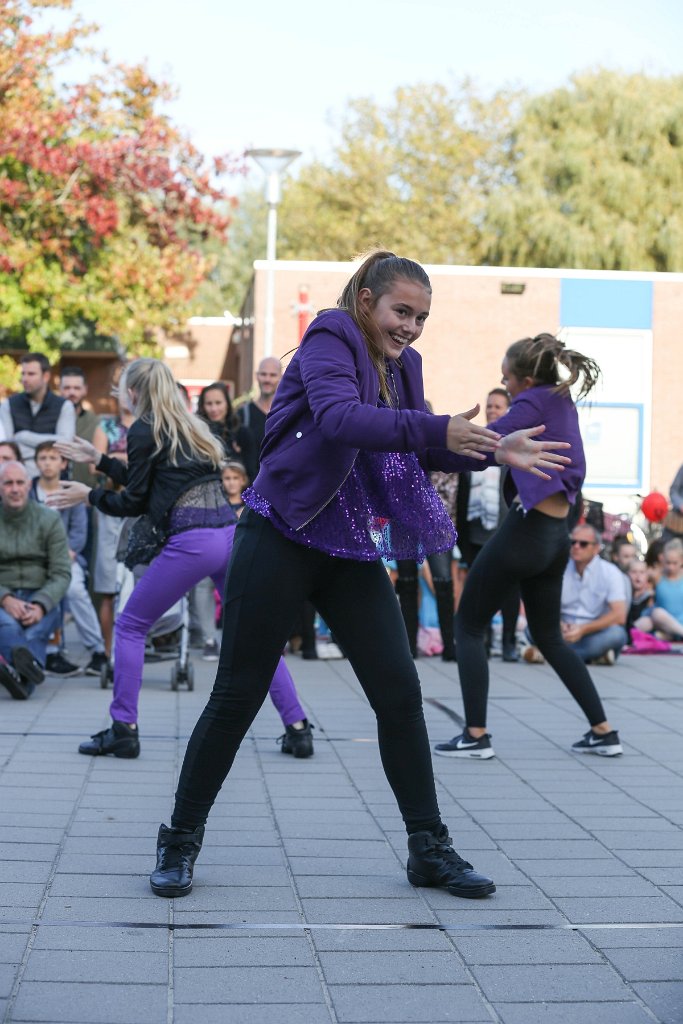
x=298, y=742
x=432, y=861
x=177, y=850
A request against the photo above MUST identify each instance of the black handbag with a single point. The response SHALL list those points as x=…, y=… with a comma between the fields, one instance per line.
x=145, y=541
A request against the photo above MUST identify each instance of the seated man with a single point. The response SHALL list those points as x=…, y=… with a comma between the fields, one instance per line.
x=594, y=608
x=35, y=572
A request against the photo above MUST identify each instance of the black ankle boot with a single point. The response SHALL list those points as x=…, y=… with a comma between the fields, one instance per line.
x=432, y=861
x=119, y=739
x=298, y=741
x=177, y=851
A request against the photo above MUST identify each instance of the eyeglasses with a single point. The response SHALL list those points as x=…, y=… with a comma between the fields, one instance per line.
x=582, y=543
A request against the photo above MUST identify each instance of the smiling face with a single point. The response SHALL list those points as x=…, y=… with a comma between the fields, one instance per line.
x=215, y=405
x=400, y=314
x=496, y=406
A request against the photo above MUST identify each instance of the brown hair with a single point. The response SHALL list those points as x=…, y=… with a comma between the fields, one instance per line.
x=378, y=272
x=541, y=358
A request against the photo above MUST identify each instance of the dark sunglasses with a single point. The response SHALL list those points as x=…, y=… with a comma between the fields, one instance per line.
x=583, y=543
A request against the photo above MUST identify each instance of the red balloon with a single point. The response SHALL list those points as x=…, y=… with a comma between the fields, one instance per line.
x=654, y=507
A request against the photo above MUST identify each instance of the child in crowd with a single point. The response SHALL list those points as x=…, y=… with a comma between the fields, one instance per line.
x=667, y=614
x=50, y=465
x=235, y=480
x=642, y=593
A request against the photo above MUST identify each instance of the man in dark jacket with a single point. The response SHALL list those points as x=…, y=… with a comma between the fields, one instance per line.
x=36, y=414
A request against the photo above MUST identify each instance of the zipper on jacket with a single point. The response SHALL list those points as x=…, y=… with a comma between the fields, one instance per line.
x=333, y=495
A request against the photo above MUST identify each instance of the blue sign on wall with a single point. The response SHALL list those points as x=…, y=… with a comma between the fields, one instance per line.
x=589, y=302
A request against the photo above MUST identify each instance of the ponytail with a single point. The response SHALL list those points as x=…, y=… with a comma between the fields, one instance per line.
x=547, y=361
x=378, y=271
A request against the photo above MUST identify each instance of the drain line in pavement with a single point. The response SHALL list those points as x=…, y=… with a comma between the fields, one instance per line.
x=294, y=926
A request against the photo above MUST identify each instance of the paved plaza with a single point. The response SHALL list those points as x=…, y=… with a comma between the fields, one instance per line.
x=301, y=911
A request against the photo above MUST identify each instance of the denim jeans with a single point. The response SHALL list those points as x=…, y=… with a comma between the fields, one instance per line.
x=35, y=637
x=594, y=645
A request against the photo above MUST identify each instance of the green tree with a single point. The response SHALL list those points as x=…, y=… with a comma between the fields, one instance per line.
x=415, y=175
x=597, y=177
x=104, y=204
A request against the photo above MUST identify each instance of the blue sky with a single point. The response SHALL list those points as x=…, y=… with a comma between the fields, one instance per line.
x=270, y=73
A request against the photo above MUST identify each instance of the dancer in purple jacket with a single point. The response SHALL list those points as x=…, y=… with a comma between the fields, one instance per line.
x=342, y=481
x=531, y=548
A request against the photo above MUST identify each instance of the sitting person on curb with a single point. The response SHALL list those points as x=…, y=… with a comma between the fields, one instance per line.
x=667, y=615
x=51, y=465
x=593, y=608
x=642, y=597
x=35, y=572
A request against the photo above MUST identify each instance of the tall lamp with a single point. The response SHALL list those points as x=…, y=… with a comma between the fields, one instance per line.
x=273, y=163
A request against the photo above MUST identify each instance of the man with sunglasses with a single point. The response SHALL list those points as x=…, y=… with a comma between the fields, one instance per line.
x=593, y=607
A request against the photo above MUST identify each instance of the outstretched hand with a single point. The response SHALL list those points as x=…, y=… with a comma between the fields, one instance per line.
x=70, y=493
x=467, y=438
x=520, y=451
x=78, y=450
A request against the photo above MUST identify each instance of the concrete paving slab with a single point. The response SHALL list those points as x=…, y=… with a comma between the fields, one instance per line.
x=301, y=905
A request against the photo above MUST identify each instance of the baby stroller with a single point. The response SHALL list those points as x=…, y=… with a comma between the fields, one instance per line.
x=168, y=639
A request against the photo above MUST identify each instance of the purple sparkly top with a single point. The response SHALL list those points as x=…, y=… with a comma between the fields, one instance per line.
x=385, y=508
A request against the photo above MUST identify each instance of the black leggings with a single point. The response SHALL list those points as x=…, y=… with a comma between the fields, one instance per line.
x=268, y=578
x=530, y=551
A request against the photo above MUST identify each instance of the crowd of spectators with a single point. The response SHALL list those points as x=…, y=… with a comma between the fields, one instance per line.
x=54, y=563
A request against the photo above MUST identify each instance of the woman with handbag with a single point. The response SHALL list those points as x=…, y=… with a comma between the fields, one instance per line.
x=186, y=529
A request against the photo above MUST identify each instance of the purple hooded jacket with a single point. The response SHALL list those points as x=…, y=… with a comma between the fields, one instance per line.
x=325, y=410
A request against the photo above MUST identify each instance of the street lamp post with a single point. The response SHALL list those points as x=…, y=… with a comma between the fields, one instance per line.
x=273, y=162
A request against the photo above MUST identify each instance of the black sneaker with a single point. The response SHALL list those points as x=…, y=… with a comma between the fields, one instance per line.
x=607, y=745
x=432, y=861
x=510, y=653
x=96, y=664
x=466, y=746
x=28, y=667
x=57, y=665
x=298, y=742
x=13, y=683
x=119, y=739
x=177, y=850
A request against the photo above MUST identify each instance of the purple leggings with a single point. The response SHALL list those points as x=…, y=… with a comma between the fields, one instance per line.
x=186, y=559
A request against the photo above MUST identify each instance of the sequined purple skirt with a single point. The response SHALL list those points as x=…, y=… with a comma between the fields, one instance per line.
x=385, y=508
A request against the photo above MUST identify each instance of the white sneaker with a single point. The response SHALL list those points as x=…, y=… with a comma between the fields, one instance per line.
x=327, y=649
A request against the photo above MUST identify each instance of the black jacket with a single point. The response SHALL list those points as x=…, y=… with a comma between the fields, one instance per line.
x=152, y=483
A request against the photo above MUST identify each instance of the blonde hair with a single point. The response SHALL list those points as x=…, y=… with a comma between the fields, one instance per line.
x=675, y=544
x=378, y=272
x=541, y=358
x=159, y=403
